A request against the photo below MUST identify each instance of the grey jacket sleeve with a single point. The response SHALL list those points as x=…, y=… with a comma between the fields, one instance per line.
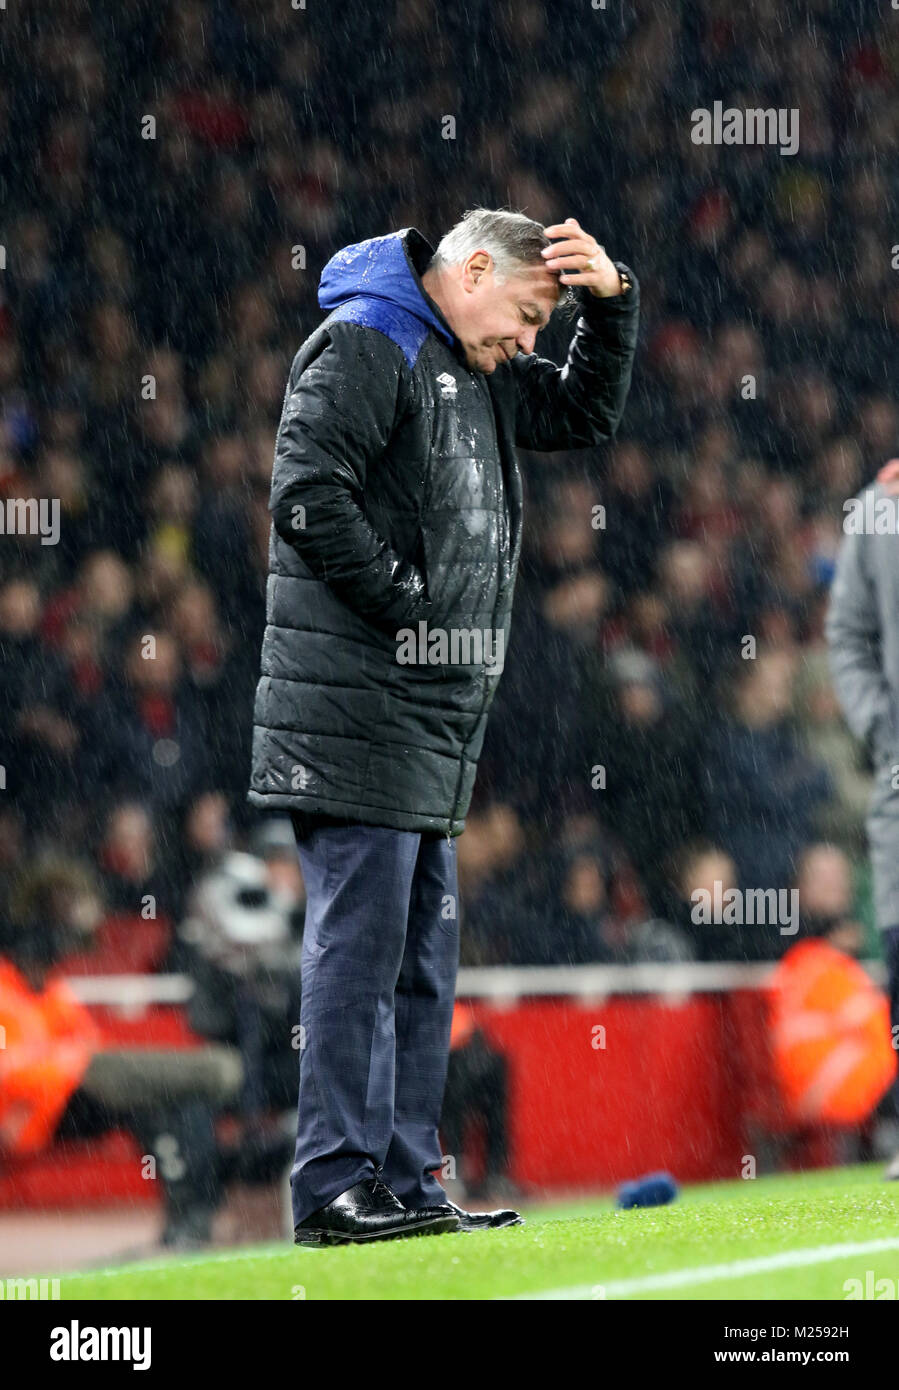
x=854, y=641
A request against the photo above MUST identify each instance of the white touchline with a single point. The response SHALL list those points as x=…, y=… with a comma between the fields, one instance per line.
x=228, y=1257
x=614, y=1288
x=710, y=1274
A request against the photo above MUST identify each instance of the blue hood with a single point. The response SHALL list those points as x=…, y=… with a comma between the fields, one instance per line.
x=376, y=283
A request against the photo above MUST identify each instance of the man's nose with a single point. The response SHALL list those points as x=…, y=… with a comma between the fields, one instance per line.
x=527, y=340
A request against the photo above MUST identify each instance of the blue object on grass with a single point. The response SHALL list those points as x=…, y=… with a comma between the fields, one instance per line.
x=652, y=1190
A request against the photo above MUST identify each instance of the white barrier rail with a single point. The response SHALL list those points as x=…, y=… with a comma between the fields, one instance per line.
x=500, y=983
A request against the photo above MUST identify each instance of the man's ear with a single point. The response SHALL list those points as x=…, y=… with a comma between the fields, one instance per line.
x=477, y=263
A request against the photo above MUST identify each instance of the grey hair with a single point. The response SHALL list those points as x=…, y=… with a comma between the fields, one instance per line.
x=511, y=239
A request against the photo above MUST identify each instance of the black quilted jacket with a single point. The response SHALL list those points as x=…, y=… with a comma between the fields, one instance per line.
x=396, y=507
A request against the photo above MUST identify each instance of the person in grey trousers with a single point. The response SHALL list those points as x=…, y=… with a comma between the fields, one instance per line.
x=863, y=639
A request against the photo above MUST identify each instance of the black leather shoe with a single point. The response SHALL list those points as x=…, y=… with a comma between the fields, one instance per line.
x=476, y=1220
x=370, y=1211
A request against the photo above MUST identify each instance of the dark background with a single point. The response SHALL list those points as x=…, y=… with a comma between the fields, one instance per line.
x=171, y=257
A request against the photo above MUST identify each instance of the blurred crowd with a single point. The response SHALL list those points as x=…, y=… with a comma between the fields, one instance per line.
x=172, y=179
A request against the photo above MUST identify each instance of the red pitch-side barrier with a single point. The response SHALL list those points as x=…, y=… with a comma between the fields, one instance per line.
x=611, y=1073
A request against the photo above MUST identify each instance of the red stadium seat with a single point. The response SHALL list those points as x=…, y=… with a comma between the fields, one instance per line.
x=125, y=944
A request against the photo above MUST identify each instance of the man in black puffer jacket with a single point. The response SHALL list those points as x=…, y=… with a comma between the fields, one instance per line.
x=397, y=506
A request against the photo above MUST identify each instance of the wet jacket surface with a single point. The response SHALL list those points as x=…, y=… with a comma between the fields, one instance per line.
x=396, y=507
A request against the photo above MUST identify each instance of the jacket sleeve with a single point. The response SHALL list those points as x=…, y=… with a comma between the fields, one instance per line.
x=853, y=637
x=581, y=404
x=337, y=419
